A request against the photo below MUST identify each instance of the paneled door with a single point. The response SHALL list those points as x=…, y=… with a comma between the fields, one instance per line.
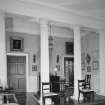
x=16, y=72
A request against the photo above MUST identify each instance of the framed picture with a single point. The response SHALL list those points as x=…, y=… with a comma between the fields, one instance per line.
x=34, y=58
x=95, y=65
x=34, y=67
x=16, y=43
x=83, y=66
x=95, y=55
x=88, y=68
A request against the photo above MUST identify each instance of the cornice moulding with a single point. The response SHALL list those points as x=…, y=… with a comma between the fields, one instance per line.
x=53, y=14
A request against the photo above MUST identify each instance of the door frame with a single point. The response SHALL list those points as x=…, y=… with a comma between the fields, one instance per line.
x=27, y=66
x=63, y=57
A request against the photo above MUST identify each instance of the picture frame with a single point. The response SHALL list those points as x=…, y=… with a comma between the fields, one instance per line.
x=95, y=65
x=95, y=55
x=88, y=68
x=34, y=67
x=16, y=43
x=83, y=66
x=34, y=58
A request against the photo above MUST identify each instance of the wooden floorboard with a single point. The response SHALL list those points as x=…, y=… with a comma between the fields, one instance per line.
x=32, y=99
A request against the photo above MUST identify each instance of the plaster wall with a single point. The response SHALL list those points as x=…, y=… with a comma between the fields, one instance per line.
x=31, y=47
x=31, y=34
x=90, y=45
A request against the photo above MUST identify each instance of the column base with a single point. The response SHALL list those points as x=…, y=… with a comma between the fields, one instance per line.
x=75, y=97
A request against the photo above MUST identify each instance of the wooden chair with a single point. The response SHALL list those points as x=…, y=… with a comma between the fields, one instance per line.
x=87, y=81
x=84, y=89
x=46, y=91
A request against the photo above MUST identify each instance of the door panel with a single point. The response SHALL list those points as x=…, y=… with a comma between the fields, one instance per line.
x=21, y=84
x=11, y=68
x=17, y=72
x=21, y=69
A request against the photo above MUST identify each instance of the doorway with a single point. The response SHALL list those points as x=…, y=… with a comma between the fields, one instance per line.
x=69, y=70
x=16, y=72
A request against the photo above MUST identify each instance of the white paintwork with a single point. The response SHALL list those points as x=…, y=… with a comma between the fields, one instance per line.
x=24, y=26
x=3, y=63
x=27, y=71
x=54, y=14
x=32, y=84
x=21, y=25
x=44, y=53
x=102, y=62
x=92, y=8
x=77, y=60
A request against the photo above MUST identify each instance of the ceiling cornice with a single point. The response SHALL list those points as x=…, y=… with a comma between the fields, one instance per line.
x=65, y=9
x=52, y=14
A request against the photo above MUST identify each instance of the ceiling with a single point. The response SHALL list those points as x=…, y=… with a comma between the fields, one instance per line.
x=91, y=8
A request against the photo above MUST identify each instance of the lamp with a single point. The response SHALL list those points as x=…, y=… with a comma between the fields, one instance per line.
x=55, y=70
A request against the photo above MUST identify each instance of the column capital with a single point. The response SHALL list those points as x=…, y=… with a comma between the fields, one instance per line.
x=101, y=32
x=76, y=26
x=43, y=21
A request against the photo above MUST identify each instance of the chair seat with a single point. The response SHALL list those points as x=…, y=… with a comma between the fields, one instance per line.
x=86, y=90
x=50, y=94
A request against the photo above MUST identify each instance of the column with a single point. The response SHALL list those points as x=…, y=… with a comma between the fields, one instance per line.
x=44, y=52
x=77, y=60
x=3, y=61
x=102, y=62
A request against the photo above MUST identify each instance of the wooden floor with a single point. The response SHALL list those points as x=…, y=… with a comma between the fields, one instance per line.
x=32, y=99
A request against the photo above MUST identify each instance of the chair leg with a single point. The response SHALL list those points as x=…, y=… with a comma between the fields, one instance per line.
x=78, y=96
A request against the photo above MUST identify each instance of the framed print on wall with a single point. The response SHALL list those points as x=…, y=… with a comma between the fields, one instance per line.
x=83, y=66
x=16, y=43
x=95, y=65
x=83, y=61
x=34, y=67
x=88, y=68
x=95, y=55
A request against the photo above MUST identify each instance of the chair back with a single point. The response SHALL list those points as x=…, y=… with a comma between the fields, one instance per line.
x=87, y=80
x=81, y=84
x=46, y=87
